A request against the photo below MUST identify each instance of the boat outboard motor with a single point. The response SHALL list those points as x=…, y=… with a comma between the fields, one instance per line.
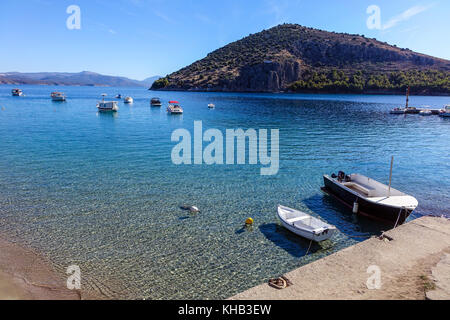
x=341, y=176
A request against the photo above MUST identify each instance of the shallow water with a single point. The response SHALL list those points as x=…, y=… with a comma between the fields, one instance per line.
x=100, y=190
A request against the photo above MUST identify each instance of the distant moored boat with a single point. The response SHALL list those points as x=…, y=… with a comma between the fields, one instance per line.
x=174, y=108
x=58, y=96
x=407, y=109
x=128, y=100
x=445, y=113
x=105, y=106
x=16, y=92
x=155, y=102
x=426, y=112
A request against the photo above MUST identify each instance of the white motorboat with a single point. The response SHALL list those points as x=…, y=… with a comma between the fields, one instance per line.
x=174, y=108
x=155, y=102
x=398, y=111
x=105, y=106
x=211, y=106
x=445, y=112
x=58, y=96
x=128, y=100
x=16, y=92
x=304, y=225
x=426, y=112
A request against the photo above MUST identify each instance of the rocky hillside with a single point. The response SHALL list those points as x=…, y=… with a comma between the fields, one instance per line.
x=291, y=57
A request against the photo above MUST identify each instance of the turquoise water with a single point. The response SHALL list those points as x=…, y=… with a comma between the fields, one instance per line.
x=100, y=190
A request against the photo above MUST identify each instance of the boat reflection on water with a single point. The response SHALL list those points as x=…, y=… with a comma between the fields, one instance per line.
x=110, y=115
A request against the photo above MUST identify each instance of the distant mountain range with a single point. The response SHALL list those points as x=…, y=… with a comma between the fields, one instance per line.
x=84, y=78
x=295, y=58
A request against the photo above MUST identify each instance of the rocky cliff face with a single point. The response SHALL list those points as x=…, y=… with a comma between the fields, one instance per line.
x=274, y=59
x=267, y=76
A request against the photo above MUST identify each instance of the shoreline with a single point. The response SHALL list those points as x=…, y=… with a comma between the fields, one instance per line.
x=368, y=92
x=26, y=275
x=414, y=265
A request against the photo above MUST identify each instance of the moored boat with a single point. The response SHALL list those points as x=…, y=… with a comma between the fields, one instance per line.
x=174, y=108
x=304, y=225
x=211, y=106
x=155, y=102
x=58, y=96
x=16, y=92
x=426, y=112
x=128, y=100
x=370, y=198
x=398, y=111
x=407, y=109
x=107, y=106
x=412, y=110
x=445, y=113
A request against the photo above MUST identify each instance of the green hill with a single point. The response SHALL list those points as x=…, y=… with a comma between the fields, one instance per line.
x=291, y=57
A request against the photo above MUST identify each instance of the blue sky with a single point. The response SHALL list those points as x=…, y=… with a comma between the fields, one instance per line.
x=142, y=38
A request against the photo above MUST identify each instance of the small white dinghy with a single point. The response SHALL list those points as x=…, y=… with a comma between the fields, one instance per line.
x=305, y=225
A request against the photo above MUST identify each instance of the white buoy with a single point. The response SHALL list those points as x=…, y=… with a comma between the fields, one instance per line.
x=194, y=209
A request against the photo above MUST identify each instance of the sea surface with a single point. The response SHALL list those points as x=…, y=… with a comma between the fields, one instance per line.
x=100, y=190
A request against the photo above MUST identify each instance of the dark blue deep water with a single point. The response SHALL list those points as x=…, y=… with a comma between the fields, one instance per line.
x=100, y=190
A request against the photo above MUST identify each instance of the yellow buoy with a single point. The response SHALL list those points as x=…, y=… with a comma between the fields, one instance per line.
x=249, y=221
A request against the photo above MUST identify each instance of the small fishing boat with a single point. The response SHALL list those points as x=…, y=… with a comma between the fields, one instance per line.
x=128, y=100
x=107, y=106
x=407, y=109
x=371, y=198
x=211, y=106
x=398, y=111
x=412, y=110
x=304, y=225
x=58, y=96
x=174, y=108
x=155, y=102
x=16, y=92
x=119, y=96
x=426, y=112
x=445, y=113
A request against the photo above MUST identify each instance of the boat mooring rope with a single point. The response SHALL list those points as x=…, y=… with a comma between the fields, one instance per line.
x=310, y=243
x=398, y=219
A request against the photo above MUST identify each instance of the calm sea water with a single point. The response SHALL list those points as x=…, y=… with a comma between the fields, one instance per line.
x=100, y=190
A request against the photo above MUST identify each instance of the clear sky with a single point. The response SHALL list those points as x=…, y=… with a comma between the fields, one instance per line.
x=142, y=38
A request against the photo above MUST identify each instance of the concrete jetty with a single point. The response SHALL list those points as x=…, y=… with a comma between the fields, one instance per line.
x=413, y=265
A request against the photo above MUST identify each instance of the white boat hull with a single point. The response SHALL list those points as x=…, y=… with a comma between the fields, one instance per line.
x=317, y=231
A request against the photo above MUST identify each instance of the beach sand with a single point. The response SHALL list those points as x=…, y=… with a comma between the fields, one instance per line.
x=414, y=266
x=24, y=275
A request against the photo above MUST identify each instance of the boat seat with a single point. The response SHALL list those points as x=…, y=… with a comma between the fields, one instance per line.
x=293, y=220
x=364, y=189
